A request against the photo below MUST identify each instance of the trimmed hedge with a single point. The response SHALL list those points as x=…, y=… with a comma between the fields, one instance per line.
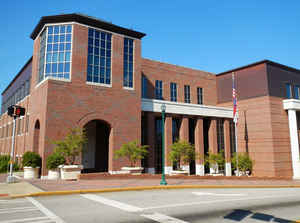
x=31, y=159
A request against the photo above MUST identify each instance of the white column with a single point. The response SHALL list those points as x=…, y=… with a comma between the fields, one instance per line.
x=294, y=143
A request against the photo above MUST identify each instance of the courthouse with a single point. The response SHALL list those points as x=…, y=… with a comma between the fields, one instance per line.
x=90, y=73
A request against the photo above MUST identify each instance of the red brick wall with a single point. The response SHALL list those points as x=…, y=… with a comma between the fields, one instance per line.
x=266, y=124
x=76, y=103
x=168, y=73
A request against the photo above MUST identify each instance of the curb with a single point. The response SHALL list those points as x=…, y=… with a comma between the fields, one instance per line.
x=106, y=190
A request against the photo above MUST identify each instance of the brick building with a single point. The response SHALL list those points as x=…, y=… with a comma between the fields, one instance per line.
x=89, y=73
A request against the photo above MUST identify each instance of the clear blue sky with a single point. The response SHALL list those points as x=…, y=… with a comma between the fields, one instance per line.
x=211, y=35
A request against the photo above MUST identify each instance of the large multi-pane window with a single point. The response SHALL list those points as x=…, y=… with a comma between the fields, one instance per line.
x=288, y=88
x=55, y=46
x=18, y=95
x=144, y=86
x=199, y=95
x=128, y=63
x=187, y=94
x=296, y=91
x=173, y=90
x=158, y=90
x=99, y=57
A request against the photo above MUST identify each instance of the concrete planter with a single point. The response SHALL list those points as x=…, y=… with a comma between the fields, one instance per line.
x=30, y=172
x=132, y=170
x=53, y=174
x=70, y=172
x=179, y=172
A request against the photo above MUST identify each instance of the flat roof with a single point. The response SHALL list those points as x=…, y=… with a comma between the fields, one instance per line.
x=15, y=78
x=261, y=62
x=86, y=20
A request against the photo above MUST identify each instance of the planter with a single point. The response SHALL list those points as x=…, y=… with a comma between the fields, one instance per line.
x=53, y=174
x=30, y=172
x=179, y=172
x=70, y=172
x=132, y=170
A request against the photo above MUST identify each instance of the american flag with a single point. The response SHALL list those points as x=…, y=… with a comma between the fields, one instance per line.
x=234, y=99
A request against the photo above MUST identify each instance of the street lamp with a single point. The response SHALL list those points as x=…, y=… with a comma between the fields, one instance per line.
x=163, y=110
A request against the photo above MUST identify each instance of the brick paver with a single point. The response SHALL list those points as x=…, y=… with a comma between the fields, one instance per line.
x=59, y=185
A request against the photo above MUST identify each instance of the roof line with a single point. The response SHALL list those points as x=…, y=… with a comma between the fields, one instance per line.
x=19, y=73
x=86, y=20
x=260, y=62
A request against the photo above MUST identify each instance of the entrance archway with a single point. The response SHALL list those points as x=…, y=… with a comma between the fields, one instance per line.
x=36, y=136
x=96, y=151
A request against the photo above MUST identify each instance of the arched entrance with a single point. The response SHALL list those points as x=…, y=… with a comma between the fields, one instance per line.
x=36, y=136
x=96, y=151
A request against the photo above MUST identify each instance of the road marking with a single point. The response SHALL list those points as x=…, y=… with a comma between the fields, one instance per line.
x=46, y=211
x=25, y=220
x=12, y=201
x=214, y=194
x=116, y=204
x=130, y=208
x=217, y=201
x=162, y=218
x=21, y=210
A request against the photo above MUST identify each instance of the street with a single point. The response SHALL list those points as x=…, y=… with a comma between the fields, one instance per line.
x=172, y=206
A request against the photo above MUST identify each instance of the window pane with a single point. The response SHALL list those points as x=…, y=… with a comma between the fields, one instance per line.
x=68, y=56
x=69, y=29
x=56, y=29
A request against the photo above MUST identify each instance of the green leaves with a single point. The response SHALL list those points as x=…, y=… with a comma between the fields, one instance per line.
x=182, y=151
x=54, y=160
x=244, y=161
x=31, y=159
x=216, y=160
x=72, y=145
x=132, y=151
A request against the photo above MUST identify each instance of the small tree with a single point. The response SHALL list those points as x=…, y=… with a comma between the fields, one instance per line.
x=72, y=145
x=54, y=160
x=182, y=151
x=245, y=162
x=215, y=161
x=132, y=151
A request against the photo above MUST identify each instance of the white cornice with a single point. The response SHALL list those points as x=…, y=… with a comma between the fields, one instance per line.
x=293, y=104
x=153, y=105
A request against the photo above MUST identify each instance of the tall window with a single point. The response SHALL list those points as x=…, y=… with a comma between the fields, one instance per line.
x=99, y=57
x=144, y=87
x=158, y=90
x=128, y=63
x=296, y=91
x=173, y=90
x=55, y=45
x=187, y=94
x=199, y=95
x=220, y=134
x=288, y=88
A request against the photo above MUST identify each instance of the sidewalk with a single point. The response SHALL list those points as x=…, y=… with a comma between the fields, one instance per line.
x=115, y=183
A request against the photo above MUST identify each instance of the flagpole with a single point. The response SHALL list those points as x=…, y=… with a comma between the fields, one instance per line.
x=235, y=122
x=236, y=149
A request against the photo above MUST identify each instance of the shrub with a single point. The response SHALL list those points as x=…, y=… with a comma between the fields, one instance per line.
x=54, y=160
x=245, y=163
x=72, y=145
x=215, y=161
x=132, y=151
x=31, y=159
x=182, y=151
x=4, y=163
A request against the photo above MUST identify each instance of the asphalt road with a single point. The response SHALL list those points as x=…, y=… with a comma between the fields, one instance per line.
x=165, y=206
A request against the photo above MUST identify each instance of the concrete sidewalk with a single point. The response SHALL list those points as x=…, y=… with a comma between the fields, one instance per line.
x=40, y=187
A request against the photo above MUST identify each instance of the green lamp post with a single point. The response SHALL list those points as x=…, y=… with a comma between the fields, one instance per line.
x=163, y=110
